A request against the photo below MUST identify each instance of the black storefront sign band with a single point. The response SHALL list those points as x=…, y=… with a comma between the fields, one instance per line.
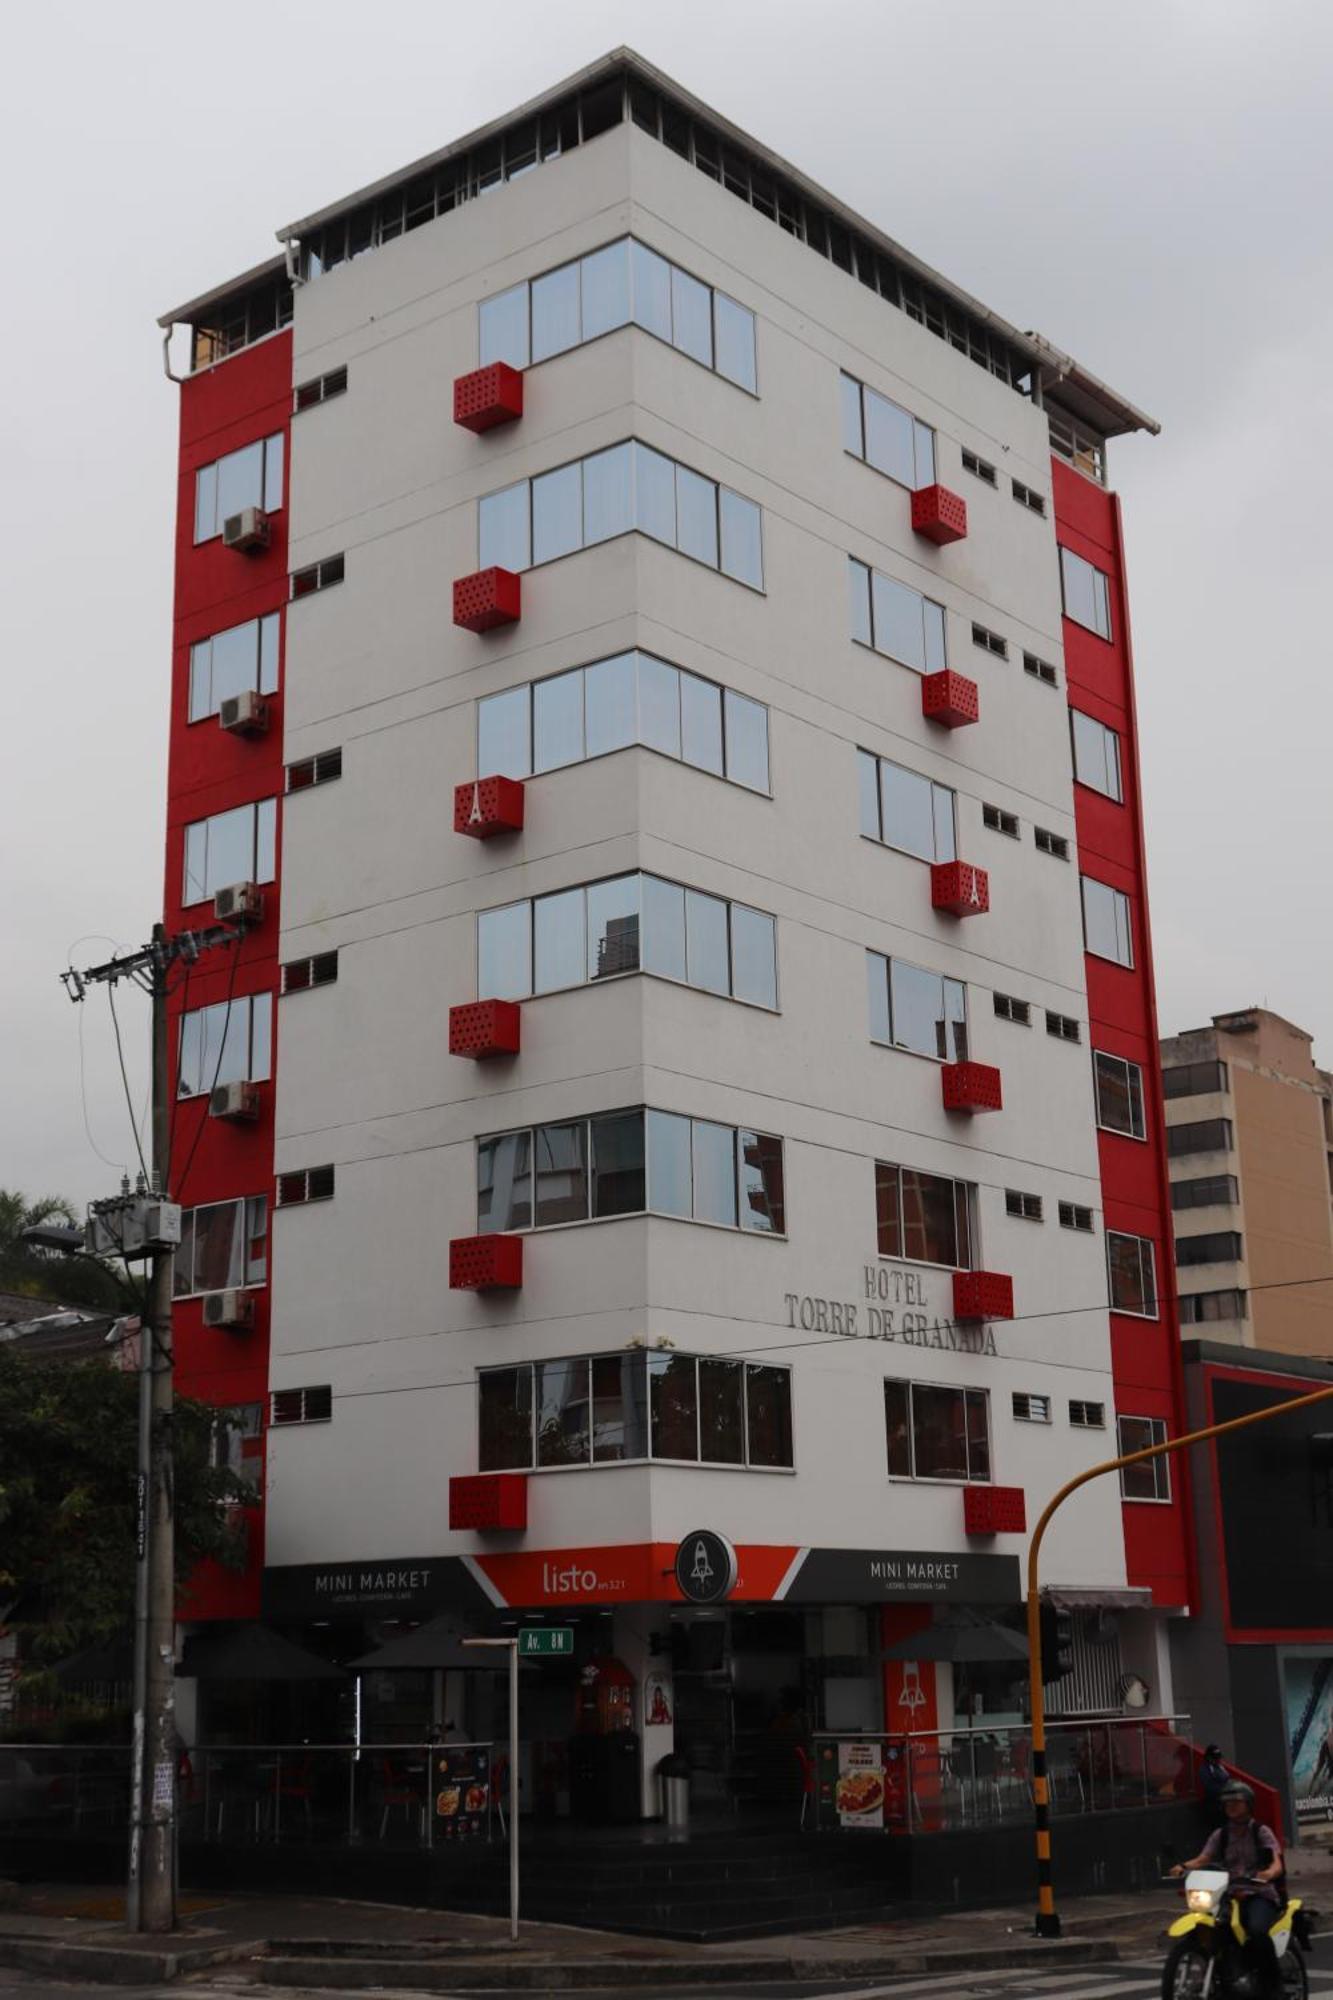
x=908, y=1576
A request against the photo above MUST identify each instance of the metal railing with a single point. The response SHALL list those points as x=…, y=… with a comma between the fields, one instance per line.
x=385, y=1794
x=945, y=1780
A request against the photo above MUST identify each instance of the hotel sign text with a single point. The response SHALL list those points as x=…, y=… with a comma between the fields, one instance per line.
x=893, y=1308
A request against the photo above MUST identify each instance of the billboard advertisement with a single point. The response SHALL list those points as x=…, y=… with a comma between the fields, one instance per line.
x=1308, y=1686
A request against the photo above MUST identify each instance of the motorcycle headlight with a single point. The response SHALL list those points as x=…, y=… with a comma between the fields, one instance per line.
x=1202, y=1901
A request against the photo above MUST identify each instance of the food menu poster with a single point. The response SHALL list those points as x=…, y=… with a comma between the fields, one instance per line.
x=462, y=1787
x=850, y=1785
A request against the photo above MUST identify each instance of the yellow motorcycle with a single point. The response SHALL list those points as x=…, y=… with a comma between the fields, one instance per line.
x=1208, y=1959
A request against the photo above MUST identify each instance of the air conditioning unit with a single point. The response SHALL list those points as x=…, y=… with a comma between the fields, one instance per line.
x=244, y=714
x=234, y=1100
x=249, y=530
x=242, y=903
x=233, y=1308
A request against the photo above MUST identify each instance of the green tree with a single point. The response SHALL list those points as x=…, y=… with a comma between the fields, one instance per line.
x=68, y=1490
x=35, y=1273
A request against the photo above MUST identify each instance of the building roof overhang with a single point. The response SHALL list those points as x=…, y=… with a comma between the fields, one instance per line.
x=193, y=309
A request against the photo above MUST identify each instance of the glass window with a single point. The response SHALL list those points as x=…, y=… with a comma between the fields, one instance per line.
x=659, y=705
x=504, y=327
x=768, y=1415
x=1133, y=1275
x=1150, y=1480
x=1096, y=755
x=504, y=538
x=928, y=1012
x=557, y=513
x=924, y=440
x=652, y=291
x=251, y=477
x=504, y=1182
x=504, y=734
x=713, y=1157
x=557, y=721
x=617, y=1164
x=555, y=312
x=504, y=952
x=853, y=435
x=1196, y=1079
x=1087, y=593
x=559, y=950
x=229, y=1042
x=877, y=983
x=654, y=495
x=922, y=1218
x=560, y=1155
x=223, y=1245
x=1118, y=1085
x=691, y=317
x=899, y=622
x=742, y=539
x=613, y=927
x=561, y=1399
x=1106, y=922
x=242, y=658
x=608, y=501
x=747, y=741
x=721, y=1412
x=858, y=593
x=505, y=1418
x=1208, y=1191
x=1201, y=1135
x=762, y=1183
x=916, y=815
x=734, y=332
x=706, y=942
x=663, y=927
x=619, y=1407
x=669, y=1177
x=889, y=442
x=673, y=1380
x=867, y=779
x=609, y=690
x=701, y=723
x=240, y=482
x=605, y=289
x=754, y=965
x=696, y=516
x=231, y=847
x=205, y=502
x=937, y=1433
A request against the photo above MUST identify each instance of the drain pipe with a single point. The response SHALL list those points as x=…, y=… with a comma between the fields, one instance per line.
x=166, y=356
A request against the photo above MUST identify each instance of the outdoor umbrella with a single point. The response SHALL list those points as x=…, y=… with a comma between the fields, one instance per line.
x=961, y=1641
x=252, y=1653
x=432, y=1645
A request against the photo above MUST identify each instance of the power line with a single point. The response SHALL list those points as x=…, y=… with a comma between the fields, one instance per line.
x=124, y=1077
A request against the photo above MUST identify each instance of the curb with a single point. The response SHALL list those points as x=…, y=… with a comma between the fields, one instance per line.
x=114, y=1965
x=442, y=1975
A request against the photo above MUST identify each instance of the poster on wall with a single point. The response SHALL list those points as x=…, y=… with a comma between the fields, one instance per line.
x=850, y=1784
x=1309, y=1694
x=462, y=1787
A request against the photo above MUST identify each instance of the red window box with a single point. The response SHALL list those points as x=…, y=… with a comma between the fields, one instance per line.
x=483, y=1029
x=994, y=1510
x=488, y=396
x=490, y=1500
x=982, y=1295
x=971, y=1086
x=939, y=515
x=950, y=699
x=489, y=806
x=486, y=1263
x=959, y=889
x=487, y=599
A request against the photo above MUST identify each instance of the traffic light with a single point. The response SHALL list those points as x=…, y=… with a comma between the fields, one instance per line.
x=1057, y=1642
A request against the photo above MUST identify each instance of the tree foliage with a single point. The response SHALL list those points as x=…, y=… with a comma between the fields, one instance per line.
x=68, y=1492
x=39, y=1274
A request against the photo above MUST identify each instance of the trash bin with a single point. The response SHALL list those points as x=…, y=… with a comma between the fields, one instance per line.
x=673, y=1775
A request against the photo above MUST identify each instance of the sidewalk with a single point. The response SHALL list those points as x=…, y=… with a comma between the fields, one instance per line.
x=310, y=1941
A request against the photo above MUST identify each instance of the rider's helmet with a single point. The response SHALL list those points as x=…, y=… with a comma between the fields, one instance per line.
x=1236, y=1790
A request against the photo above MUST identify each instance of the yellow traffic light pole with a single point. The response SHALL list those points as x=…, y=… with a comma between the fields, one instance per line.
x=1048, y=1923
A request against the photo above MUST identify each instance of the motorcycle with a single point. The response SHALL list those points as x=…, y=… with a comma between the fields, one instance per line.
x=1208, y=1959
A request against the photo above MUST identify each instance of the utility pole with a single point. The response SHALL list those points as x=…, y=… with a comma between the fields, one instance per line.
x=147, y=1225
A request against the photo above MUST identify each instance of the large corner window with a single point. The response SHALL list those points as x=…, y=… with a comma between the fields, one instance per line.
x=251, y=477
x=917, y=1010
x=937, y=1433
x=631, y=698
x=242, y=659
x=230, y=847
x=229, y=1042
x=222, y=1246
x=623, y=284
x=613, y=493
x=626, y=1163
x=895, y=620
x=923, y=1218
x=1087, y=593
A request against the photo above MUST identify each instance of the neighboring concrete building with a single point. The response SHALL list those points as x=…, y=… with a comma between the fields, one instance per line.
x=747, y=581
x=1250, y=1140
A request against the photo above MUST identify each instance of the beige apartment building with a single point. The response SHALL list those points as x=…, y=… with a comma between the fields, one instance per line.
x=1249, y=1120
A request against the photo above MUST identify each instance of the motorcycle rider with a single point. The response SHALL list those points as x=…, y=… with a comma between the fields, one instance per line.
x=1250, y=1853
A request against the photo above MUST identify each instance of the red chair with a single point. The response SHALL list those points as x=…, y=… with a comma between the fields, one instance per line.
x=807, y=1768
x=397, y=1789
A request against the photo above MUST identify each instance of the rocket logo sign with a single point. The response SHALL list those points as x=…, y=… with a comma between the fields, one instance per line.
x=705, y=1567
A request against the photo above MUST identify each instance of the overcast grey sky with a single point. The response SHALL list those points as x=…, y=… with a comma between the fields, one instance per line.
x=1146, y=181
